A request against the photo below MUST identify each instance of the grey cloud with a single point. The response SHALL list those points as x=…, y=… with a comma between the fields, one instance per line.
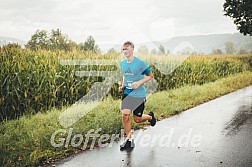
x=47, y=11
x=190, y=12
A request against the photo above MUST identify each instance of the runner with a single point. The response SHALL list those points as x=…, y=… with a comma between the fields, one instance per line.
x=134, y=93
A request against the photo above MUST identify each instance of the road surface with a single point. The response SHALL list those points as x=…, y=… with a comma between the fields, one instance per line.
x=216, y=133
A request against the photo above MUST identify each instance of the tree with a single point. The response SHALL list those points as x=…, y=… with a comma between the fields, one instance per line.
x=97, y=49
x=161, y=50
x=229, y=47
x=111, y=51
x=195, y=53
x=186, y=51
x=88, y=45
x=216, y=51
x=55, y=40
x=143, y=49
x=60, y=41
x=243, y=51
x=39, y=40
x=241, y=12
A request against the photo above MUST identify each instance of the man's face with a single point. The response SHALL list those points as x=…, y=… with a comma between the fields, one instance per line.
x=127, y=50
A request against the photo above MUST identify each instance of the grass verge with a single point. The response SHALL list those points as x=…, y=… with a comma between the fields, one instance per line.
x=26, y=141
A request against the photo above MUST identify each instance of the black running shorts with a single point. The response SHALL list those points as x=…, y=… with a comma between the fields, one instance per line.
x=134, y=104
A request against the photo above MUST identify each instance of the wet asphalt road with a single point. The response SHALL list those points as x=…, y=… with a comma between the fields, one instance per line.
x=216, y=133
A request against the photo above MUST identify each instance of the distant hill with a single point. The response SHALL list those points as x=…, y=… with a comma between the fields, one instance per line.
x=206, y=43
x=198, y=43
x=6, y=40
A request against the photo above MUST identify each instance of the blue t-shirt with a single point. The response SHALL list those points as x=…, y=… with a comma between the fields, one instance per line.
x=134, y=71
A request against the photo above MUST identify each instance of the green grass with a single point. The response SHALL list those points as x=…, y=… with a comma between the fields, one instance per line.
x=26, y=141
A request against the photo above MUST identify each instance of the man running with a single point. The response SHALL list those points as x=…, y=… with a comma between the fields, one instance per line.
x=135, y=73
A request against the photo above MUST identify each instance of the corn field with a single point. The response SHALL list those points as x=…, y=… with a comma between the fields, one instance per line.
x=33, y=81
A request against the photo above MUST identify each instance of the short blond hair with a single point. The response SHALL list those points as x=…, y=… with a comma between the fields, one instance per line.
x=129, y=43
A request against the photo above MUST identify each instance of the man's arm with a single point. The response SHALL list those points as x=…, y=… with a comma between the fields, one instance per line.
x=147, y=78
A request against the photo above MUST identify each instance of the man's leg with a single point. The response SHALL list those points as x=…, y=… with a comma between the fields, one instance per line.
x=150, y=117
x=140, y=117
x=144, y=118
x=126, y=122
x=128, y=143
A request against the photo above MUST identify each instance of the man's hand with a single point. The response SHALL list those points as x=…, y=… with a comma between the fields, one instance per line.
x=120, y=89
x=147, y=78
x=135, y=85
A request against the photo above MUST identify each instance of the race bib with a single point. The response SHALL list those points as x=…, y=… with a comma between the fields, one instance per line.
x=129, y=84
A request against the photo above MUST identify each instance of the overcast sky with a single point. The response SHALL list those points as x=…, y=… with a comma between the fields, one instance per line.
x=113, y=21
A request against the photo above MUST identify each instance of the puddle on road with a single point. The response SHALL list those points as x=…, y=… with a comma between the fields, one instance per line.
x=242, y=117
